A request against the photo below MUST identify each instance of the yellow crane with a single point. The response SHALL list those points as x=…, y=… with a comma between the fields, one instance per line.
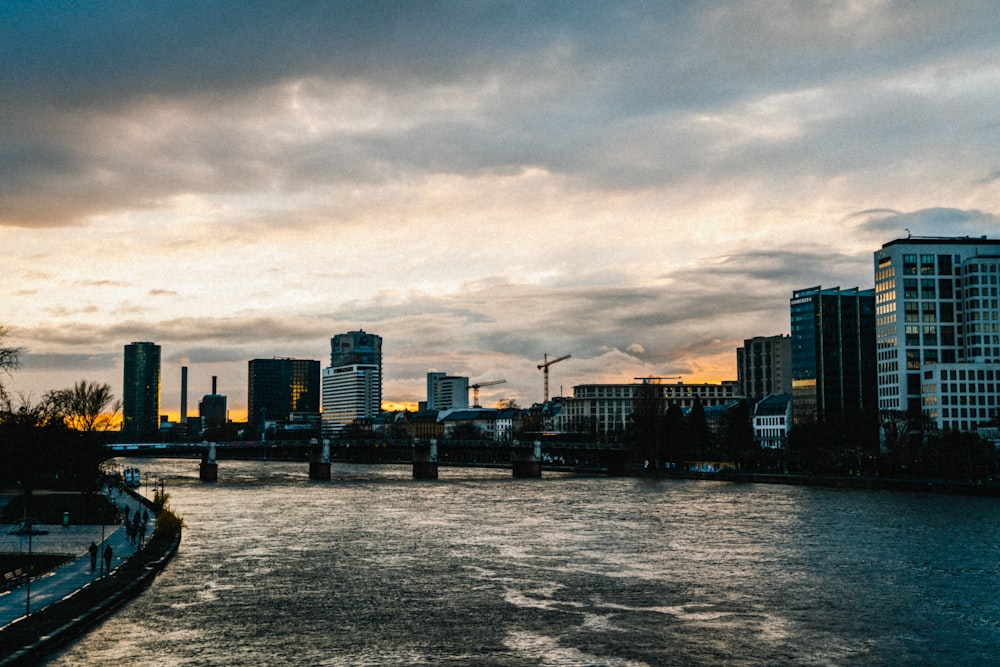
x=475, y=390
x=544, y=367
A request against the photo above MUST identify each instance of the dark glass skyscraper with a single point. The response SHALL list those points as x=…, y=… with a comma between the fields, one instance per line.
x=141, y=393
x=279, y=387
x=834, y=372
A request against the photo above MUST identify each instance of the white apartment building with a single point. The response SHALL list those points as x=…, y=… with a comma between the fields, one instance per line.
x=936, y=303
x=350, y=394
x=961, y=397
x=772, y=421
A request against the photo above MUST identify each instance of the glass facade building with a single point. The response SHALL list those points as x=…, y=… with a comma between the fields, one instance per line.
x=833, y=355
x=141, y=393
x=277, y=388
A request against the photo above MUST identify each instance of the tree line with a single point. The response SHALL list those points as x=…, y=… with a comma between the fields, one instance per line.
x=55, y=441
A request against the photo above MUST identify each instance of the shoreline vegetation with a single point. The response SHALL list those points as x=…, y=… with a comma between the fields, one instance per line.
x=29, y=639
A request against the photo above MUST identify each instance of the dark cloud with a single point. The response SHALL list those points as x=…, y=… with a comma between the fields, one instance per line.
x=69, y=362
x=728, y=136
x=623, y=95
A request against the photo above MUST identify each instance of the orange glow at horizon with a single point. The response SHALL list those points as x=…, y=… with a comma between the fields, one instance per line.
x=400, y=406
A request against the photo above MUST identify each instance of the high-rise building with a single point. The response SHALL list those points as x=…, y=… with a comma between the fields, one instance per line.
x=938, y=319
x=355, y=347
x=833, y=356
x=141, y=393
x=764, y=366
x=932, y=298
x=278, y=388
x=447, y=392
x=352, y=385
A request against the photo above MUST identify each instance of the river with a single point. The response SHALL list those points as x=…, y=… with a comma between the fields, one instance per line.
x=477, y=568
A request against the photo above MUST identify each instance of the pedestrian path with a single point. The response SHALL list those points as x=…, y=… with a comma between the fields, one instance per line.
x=75, y=574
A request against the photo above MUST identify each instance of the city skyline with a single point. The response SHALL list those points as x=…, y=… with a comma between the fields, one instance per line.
x=640, y=187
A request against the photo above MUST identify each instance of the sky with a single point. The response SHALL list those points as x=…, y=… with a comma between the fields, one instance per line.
x=640, y=185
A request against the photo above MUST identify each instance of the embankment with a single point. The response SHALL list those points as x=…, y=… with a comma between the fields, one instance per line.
x=28, y=640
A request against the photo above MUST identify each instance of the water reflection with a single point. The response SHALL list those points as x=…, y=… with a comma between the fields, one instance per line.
x=478, y=568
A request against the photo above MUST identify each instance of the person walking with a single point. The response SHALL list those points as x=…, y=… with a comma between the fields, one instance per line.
x=107, y=558
x=93, y=556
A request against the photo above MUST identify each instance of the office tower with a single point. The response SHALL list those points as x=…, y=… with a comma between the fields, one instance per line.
x=833, y=357
x=764, y=366
x=352, y=385
x=445, y=392
x=141, y=393
x=937, y=301
x=278, y=388
x=355, y=347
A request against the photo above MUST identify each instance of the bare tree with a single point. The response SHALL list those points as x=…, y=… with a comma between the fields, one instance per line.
x=87, y=406
x=10, y=357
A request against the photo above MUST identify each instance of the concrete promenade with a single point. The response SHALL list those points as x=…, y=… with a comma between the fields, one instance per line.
x=74, y=575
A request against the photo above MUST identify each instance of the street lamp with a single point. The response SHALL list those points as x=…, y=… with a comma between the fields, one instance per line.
x=28, y=529
x=100, y=552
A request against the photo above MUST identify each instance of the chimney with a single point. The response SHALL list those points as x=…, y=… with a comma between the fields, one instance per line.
x=214, y=378
x=184, y=394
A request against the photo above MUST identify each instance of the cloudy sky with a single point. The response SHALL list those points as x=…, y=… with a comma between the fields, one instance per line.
x=640, y=185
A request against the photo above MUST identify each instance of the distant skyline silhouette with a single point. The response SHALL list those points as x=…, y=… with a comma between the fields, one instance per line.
x=640, y=186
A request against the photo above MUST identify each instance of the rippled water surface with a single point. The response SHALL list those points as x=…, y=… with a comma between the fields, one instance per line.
x=374, y=568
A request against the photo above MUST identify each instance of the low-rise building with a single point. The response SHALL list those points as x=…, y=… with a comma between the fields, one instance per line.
x=607, y=408
x=489, y=424
x=772, y=421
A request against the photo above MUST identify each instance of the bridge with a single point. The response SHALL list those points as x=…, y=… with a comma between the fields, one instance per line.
x=526, y=459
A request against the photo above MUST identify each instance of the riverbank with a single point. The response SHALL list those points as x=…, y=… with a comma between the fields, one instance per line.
x=27, y=640
x=844, y=482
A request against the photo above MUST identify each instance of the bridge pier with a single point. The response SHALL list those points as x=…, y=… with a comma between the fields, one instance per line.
x=321, y=469
x=527, y=463
x=209, y=469
x=425, y=460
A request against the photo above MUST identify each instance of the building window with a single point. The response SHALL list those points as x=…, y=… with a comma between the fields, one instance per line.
x=946, y=311
x=929, y=312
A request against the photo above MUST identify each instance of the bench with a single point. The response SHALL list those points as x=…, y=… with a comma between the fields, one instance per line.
x=13, y=579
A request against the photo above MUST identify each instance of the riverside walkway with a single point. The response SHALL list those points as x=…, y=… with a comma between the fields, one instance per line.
x=73, y=575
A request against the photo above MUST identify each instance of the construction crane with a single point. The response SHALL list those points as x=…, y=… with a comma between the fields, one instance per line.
x=475, y=390
x=544, y=367
x=655, y=379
